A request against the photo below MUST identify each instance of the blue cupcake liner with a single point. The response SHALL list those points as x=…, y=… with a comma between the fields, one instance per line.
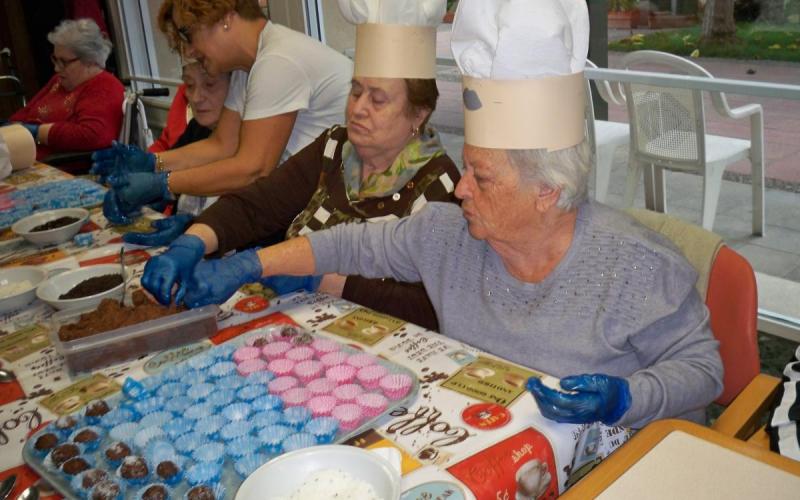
x=268, y=402
x=179, y=461
x=223, y=352
x=199, y=392
x=89, y=446
x=201, y=361
x=149, y=405
x=198, y=411
x=178, y=404
x=152, y=383
x=235, y=429
x=248, y=464
x=272, y=437
x=187, y=443
x=157, y=418
x=265, y=418
x=77, y=482
x=64, y=426
x=210, y=452
x=178, y=427
x=192, y=377
x=260, y=378
x=115, y=463
x=222, y=369
x=324, y=429
x=124, y=432
x=117, y=416
x=296, y=416
x=139, y=481
x=210, y=426
x=237, y=411
x=157, y=449
x=232, y=382
x=103, y=484
x=134, y=389
x=171, y=390
x=175, y=372
x=251, y=392
x=203, y=473
x=221, y=397
x=298, y=441
x=217, y=489
x=143, y=489
x=242, y=446
x=145, y=436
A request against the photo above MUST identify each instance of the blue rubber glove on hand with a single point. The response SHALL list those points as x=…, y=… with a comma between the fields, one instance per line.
x=175, y=266
x=166, y=230
x=121, y=158
x=596, y=398
x=33, y=128
x=138, y=188
x=215, y=281
x=283, y=284
x=112, y=210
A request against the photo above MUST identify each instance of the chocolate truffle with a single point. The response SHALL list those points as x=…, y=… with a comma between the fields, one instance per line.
x=93, y=477
x=260, y=342
x=117, y=451
x=155, y=492
x=85, y=436
x=46, y=442
x=75, y=465
x=134, y=468
x=106, y=490
x=166, y=469
x=97, y=408
x=64, y=452
x=201, y=492
x=66, y=422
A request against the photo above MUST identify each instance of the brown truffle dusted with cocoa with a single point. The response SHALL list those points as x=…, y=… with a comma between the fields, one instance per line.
x=155, y=492
x=67, y=422
x=117, y=451
x=86, y=436
x=133, y=467
x=74, y=466
x=97, y=408
x=106, y=490
x=46, y=442
x=92, y=477
x=64, y=452
x=166, y=469
x=201, y=492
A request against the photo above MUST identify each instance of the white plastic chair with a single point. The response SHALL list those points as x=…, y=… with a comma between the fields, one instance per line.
x=604, y=136
x=668, y=131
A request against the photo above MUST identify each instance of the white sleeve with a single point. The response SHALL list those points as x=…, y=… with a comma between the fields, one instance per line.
x=236, y=92
x=276, y=86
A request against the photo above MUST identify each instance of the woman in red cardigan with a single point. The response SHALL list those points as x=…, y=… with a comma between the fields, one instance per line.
x=80, y=108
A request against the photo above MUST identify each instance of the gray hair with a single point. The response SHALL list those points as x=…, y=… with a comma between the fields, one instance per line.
x=84, y=38
x=566, y=169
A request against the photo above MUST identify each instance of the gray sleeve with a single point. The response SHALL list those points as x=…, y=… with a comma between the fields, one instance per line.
x=684, y=371
x=375, y=249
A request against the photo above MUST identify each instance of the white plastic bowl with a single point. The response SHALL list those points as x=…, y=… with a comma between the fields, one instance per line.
x=51, y=236
x=283, y=475
x=33, y=275
x=54, y=287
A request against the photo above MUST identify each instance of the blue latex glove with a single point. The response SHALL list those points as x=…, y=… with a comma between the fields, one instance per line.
x=121, y=158
x=597, y=398
x=215, y=281
x=175, y=266
x=283, y=284
x=112, y=210
x=138, y=188
x=33, y=128
x=166, y=230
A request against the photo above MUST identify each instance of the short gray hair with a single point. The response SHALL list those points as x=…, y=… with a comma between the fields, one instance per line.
x=566, y=169
x=84, y=38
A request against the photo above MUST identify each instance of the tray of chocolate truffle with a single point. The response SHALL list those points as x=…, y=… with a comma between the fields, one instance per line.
x=199, y=428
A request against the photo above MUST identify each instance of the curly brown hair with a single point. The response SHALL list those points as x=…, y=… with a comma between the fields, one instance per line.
x=422, y=94
x=202, y=13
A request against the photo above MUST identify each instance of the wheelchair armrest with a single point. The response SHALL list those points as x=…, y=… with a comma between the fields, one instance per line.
x=746, y=110
x=743, y=416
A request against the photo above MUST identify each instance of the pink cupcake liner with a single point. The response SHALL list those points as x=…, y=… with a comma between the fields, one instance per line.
x=245, y=353
x=300, y=353
x=308, y=370
x=334, y=358
x=370, y=376
x=396, y=385
x=321, y=406
x=341, y=374
x=282, y=384
x=325, y=346
x=320, y=386
x=349, y=416
x=372, y=403
x=361, y=360
x=347, y=393
x=275, y=350
x=281, y=367
x=297, y=396
x=249, y=366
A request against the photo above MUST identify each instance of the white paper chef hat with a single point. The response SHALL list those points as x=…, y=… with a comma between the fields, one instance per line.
x=522, y=63
x=395, y=38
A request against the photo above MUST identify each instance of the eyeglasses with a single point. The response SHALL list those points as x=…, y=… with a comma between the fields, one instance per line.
x=62, y=63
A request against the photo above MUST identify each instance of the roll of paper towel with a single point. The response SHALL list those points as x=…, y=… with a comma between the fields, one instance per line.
x=19, y=148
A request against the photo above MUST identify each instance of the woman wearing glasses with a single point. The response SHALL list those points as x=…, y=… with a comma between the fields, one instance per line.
x=80, y=108
x=286, y=89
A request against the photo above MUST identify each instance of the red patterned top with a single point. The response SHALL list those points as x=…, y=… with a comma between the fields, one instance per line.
x=86, y=118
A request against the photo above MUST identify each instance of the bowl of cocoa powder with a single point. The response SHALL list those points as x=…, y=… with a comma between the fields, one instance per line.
x=84, y=287
x=51, y=227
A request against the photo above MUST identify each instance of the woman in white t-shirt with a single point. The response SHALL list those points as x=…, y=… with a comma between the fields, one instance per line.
x=286, y=89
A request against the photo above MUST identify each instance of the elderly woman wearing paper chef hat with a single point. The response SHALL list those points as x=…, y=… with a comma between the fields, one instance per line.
x=528, y=268
x=386, y=164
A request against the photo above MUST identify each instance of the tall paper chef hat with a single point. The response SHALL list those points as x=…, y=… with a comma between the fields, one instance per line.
x=522, y=63
x=394, y=38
